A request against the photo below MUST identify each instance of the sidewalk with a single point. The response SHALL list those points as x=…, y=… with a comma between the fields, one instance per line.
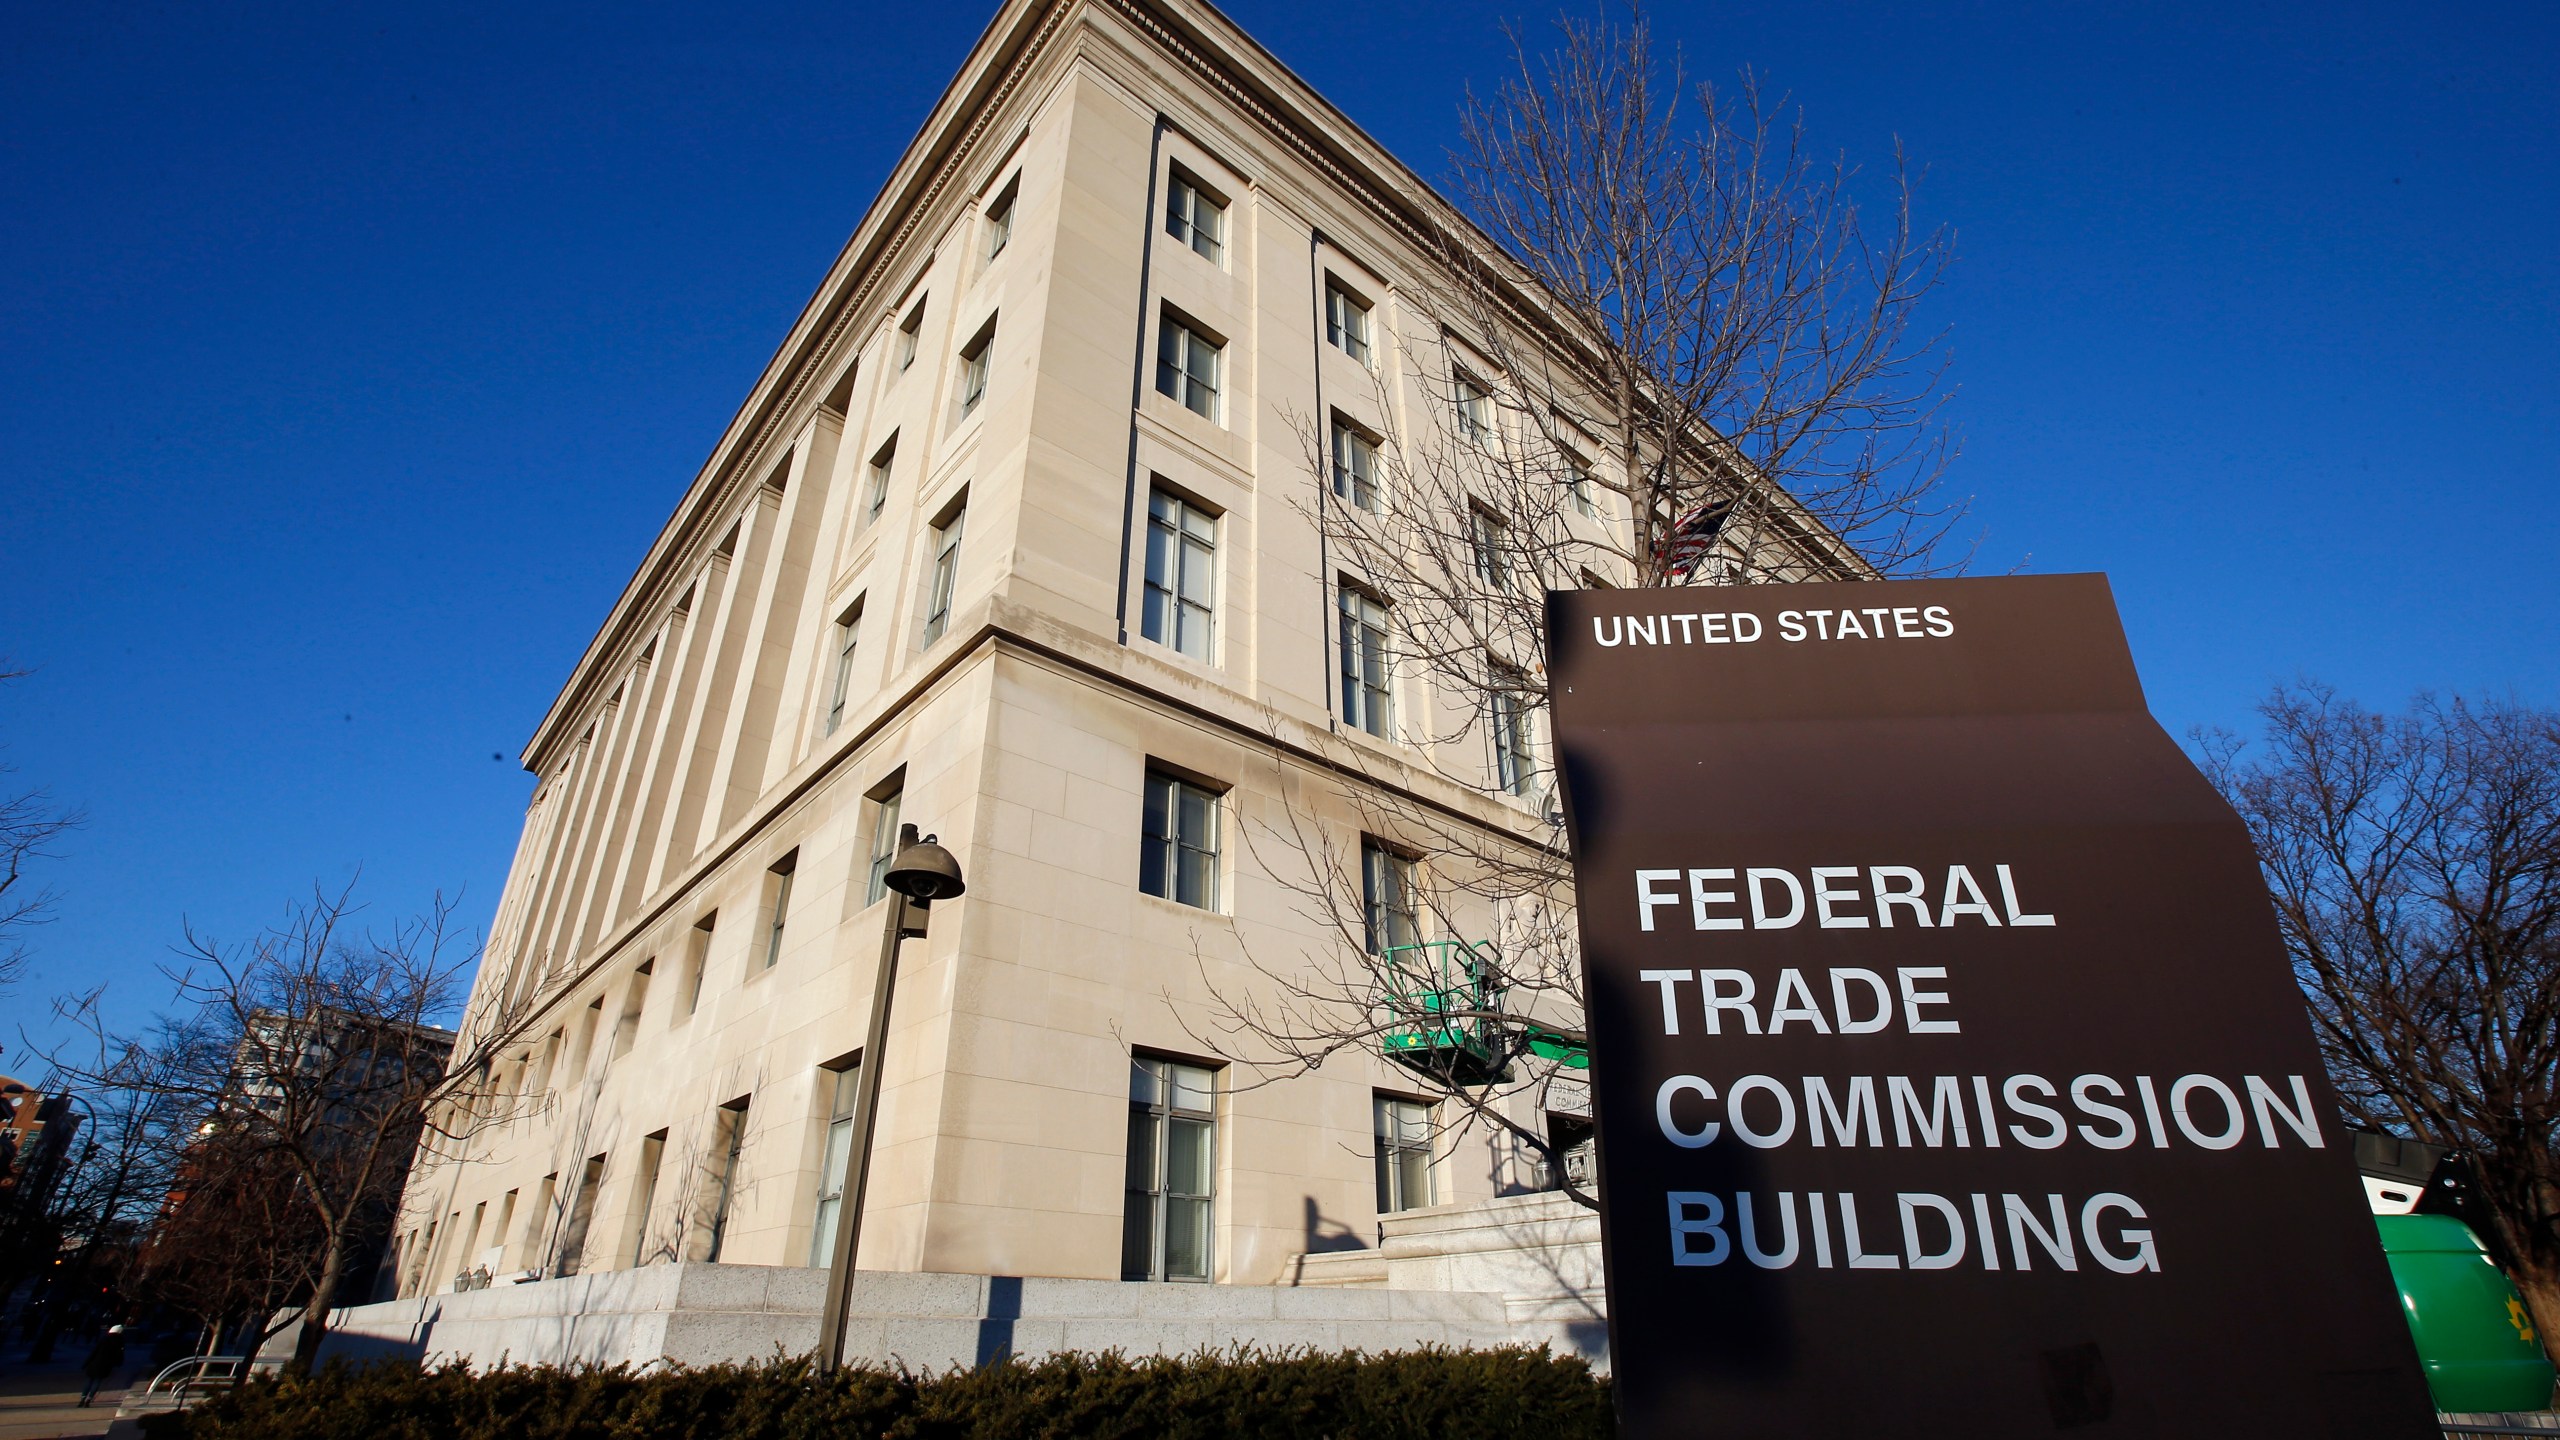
x=41, y=1402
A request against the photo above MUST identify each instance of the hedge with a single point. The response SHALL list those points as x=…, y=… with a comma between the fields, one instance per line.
x=1299, y=1395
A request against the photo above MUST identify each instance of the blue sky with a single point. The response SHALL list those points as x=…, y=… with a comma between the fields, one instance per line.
x=350, y=357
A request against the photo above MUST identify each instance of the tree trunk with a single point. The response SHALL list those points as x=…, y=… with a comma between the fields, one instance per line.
x=315, y=1312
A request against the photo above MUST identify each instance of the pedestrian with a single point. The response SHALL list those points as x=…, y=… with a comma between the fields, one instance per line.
x=105, y=1358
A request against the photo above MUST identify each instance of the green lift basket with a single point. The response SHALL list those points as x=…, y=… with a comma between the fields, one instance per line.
x=1445, y=1011
x=2474, y=1336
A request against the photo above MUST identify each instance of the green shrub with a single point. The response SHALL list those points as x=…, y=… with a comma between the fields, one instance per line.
x=1253, y=1395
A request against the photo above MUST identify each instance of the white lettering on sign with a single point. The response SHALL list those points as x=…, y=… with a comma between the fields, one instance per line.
x=1934, y=1233
x=1857, y=1111
x=1743, y=627
x=1835, y=897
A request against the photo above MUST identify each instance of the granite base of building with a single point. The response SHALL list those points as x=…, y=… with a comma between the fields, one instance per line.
x=702, y=1314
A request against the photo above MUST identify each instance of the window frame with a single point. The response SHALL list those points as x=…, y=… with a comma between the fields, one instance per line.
x=731, y=1118
x=942, y=586
x=999, y=219
x=1386, y=907
x=1347, y=323
x=1367, y=707
x=1472, y=401
x=778, y=906
x=1507, y=716
x=1401, y=1128
x=1486, y=535
x=911, y=335
x=1355, y=483
x=835, y=1164
x=888, y=806
x=848, y=638
x=1167, y=849
x=1155, y=1112
x=977, y=358
x=1183, y=221
x=883, y=462
x=1174, y=544
x=1180, y=342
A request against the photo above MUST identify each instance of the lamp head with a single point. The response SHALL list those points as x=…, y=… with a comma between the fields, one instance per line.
x=924, y=870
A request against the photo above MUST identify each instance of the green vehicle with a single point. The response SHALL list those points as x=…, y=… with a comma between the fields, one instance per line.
x=2474, y=1336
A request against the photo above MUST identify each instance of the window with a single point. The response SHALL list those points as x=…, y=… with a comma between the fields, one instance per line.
x=728, y=1140
x=653, y=1151
x=1346, y=322
x=1000, y=220
x=1366, y=701
x=848, y=635
x=1196, y=218
x=884, y=843
x=582, y=1214
x=1578, y=481
x=910, y=330
x=1355, y=466
x=778, y=882
x=1172, y=1148
x=973, y=367
x=627, y=1029
x=838, y=1084
x=946, y=574
x=1474, y=411
x=1506, y=715
x=1389, y=899
x=1404, y=1154
x=877, y=497
x=1182, y=569
x=1187, y=366
x=1178, y=858
x=496, y=1254
x=541, y=1216
x=697, y=955
x=589, y=1022
x=1487, y=538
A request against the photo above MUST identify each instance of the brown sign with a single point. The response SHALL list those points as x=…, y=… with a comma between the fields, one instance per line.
x=1950, y=1077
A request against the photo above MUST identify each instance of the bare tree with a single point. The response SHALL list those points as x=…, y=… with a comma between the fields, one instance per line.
x=2414, y=861
x=30, y=824
x=311, y=1058
x=1670, y=350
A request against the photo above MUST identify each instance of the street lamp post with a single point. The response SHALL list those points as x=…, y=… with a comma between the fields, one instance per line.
x=921, y=873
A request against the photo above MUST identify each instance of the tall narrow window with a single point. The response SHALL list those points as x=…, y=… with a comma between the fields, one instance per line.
x=1172, y=1154
x=653, y=1151
x=1404, y=1154
x=848, y=635
x=729, y=1142
x=1178, y=859
x=946, y=575
x=884, y=845
x=1196, y=218
x=1490, y=539
x=495, y=1257
x=1389, y=898
x=1182, y=568
x=582, y=1214
x=1474, y=411
x=1506, y=715
x=1000, y=220
x=1578, y=481
x=910, y=332
x=1366, y=693
x=1355, y=466
x=974, y=357
x=1346, y=322
x=778, y=885
x=838, y=1085
x=877, y=497
x=540, y=1219
x=697, y=956
x=627, y=1029
x=1187, y=366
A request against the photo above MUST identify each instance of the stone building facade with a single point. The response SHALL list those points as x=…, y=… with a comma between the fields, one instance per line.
x=1010, y=541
